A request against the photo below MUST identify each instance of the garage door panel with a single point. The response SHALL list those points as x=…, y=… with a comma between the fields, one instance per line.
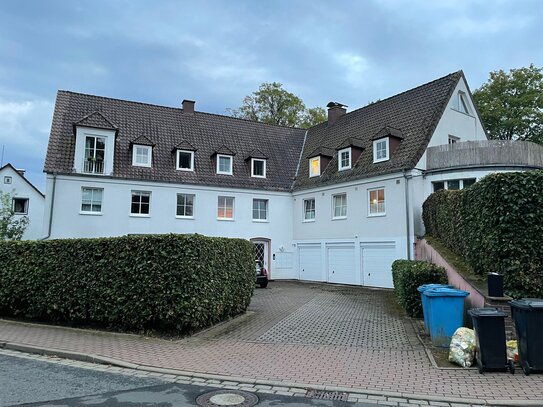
x=341, y=265
x=376, y=265
x=310, y=262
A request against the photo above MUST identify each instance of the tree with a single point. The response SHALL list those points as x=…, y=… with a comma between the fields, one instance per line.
x=511, y=104
x=11, y=227
x=274, y=105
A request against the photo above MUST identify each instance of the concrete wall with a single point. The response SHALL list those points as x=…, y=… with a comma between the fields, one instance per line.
x=21, y=188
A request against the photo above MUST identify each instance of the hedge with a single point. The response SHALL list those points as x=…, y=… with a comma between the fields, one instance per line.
x=407, y=276
x=497, y=226
x=162, y=282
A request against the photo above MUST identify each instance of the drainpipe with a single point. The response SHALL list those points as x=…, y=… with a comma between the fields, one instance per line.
x=407, y=228
x=52, y=206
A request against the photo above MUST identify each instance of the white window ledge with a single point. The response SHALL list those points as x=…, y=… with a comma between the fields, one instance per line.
x=90, y=213
x=137, y=215
x=376, y=215
x=184, y=217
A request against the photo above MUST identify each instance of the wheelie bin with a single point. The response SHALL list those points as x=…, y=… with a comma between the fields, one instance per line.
x=489, y=326
x=528, y=316
x=425, y=310
x=446, y=313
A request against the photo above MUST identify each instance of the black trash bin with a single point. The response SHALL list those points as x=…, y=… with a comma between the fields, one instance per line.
x=528, y=316
x=489, y=326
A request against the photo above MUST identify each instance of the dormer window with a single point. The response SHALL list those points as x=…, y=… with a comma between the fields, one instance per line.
x=463, y=103
x=381, y=150
x=344, y=159
x=185, y=160
x=258, y=168
x=314, y=167
x=224, y=164
x=142, y=155
x=95, y=151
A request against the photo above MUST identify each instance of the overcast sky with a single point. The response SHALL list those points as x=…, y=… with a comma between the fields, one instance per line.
x=216, y=52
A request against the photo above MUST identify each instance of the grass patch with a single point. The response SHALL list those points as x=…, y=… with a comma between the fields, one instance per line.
x=459, y=264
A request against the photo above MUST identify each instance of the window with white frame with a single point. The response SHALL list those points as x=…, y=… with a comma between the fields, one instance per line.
x=91, y=200
x=20, y=206
x=344, y=159
x=142, y=155
x=381, y=150
x=339, y=205
x=225, y=208
x=185, y=206
x=376, y=202
x=309, y=209
x=260, y=209
x=95, y=151
x=185, y=160
x=140, y=203
x=258, y=168
x=224, y=164
x=463, y=103
x=314, y=167
x=453, y=184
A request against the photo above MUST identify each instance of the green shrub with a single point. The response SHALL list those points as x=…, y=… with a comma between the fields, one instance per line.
x=497, y=226
x=407, y=276
x=163, y=282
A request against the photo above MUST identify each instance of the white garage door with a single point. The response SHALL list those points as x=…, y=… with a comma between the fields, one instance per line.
x=310, y=262
x=376, y=265
x=341, y=265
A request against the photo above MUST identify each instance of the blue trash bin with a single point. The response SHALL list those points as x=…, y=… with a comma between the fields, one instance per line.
x=425, y=310
x=446, y=313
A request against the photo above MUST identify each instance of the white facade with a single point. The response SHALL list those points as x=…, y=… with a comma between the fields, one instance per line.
x=12, y=182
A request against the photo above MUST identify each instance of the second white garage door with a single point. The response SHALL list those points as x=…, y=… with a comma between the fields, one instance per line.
x=376, y=265
x=310, y=262
x=341, y=264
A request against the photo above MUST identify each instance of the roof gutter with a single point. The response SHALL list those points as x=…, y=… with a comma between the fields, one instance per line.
x=52, y=206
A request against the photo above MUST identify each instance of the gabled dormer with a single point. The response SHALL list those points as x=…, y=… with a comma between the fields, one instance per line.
x=258, y=161
x=142, y=151
x=94, y=144
x=348, y=153
x=319, y=160
x=184, y=156
x=385, y=143
x=223, y=159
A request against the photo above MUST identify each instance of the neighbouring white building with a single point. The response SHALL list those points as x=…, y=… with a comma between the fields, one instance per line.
x=27, y=200
x=337, y=202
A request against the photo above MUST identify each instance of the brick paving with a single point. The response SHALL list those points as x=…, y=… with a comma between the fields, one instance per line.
x=311, y=334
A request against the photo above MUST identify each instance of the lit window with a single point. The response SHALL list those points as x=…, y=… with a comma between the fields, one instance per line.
x=185, y=205
x=225, y=207
x=260, y=209
x=185, y=160
x=309, y=209
x=91, y=201
x=141, y=155
x=95, y=151
x=141, y=202
x=224, y=164
x=258, y=168
x=315, y=167
x=340, y=206
x=344, y=159
x=20, y=206
x=380, y=150
x=377, y=202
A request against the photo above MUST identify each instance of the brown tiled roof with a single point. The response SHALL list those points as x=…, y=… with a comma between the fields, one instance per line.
x=167, y=127
x=256, y=153
x=388, y=131
x=142, y=141
x=351, y=142
x=412, y=115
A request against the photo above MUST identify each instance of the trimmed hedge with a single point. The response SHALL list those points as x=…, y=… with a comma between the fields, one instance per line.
x=497, y=226
x=408, y=275
x=164, y=282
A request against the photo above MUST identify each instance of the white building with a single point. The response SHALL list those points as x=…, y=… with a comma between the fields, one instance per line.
x=338, y=202
x=27, y=200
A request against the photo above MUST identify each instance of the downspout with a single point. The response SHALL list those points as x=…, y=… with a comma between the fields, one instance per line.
x=52, y=206
x=407, y=228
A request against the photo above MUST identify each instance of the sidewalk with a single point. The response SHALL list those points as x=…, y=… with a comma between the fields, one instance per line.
x=310, y=335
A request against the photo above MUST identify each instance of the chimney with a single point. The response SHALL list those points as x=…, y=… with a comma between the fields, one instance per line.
x=335, y=111
x=21, y=172
x=188, y=106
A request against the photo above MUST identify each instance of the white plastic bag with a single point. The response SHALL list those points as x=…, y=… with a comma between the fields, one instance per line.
x=462, y=348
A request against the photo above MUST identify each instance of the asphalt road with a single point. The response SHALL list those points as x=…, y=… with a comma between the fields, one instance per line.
x=41, y=383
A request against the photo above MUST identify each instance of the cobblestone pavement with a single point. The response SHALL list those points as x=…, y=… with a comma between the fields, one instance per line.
x=305, y=335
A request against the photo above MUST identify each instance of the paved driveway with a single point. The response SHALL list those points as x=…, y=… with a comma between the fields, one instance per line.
x=300, y=333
